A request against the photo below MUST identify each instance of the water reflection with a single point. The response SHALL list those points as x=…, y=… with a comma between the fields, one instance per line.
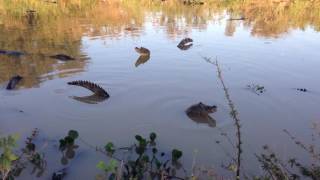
x=39, y=34
x=203, y=120
x=142, y=59
x=92, y=99
x=27, y=48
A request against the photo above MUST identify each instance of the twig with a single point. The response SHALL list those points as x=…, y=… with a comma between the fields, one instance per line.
x=233, y=114
x=303, y=146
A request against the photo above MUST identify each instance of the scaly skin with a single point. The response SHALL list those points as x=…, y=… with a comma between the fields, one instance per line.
x=96, y=89
x=200, y=113
x=142, y=51
x=185, y=44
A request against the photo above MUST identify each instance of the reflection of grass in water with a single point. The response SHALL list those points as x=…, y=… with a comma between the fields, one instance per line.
x=61, y=8
x=266, y=17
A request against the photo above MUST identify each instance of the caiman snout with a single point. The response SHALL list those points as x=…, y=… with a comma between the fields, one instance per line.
x=211, y=109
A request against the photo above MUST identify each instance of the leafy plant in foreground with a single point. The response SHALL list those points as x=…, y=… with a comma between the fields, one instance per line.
x=140, y=160
x=67, y=146
x=7, y=157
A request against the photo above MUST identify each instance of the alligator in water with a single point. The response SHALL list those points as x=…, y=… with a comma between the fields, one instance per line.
x=62, y=57
x=96, y=89
x=200, y=113
x=142, y=60
x=13, y=82
x=142, y=51
x=185, y=44
x=12, y=53
x=99, y=94
x=302, y=89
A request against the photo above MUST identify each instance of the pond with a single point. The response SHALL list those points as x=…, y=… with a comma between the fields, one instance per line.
x=260, y=44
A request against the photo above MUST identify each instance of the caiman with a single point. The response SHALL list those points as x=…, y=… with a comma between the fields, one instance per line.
x=142, y=51
x=185, y=43
x=200, y=113
x=96, y=89
x=13, y=82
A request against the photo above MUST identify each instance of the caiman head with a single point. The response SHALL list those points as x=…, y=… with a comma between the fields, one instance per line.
x=209, y=109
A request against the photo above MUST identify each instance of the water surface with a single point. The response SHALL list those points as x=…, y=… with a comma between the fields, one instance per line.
x=273, y=47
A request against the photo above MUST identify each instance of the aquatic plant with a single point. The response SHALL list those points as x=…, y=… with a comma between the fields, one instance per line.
x=7, y=157
x=143, y=160
x=67, y=146
x=291, y=169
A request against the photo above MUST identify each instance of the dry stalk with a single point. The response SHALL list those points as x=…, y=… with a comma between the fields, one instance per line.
x=233, y=114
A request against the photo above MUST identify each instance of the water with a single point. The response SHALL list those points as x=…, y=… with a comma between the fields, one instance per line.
x=153, y=96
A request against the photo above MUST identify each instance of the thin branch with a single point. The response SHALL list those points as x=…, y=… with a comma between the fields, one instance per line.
x=233, y=114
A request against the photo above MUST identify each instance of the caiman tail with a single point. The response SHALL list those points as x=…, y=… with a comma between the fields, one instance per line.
x=96, y=89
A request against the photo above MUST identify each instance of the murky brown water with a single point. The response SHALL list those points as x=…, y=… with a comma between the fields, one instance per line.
x=274, y=47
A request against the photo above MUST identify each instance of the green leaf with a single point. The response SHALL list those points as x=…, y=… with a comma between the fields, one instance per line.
x=158, y=163
x=11, y=156
x=153, y=136
x=113, y=164
x=140, y=150
x=102, y=166
x=31, y=147
x=73, y=134
x=154, y=150
x=145, y=158
x=109, y=147
x=176, y=154
x=5, y=164
x=69, y=140
x=138, y=138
